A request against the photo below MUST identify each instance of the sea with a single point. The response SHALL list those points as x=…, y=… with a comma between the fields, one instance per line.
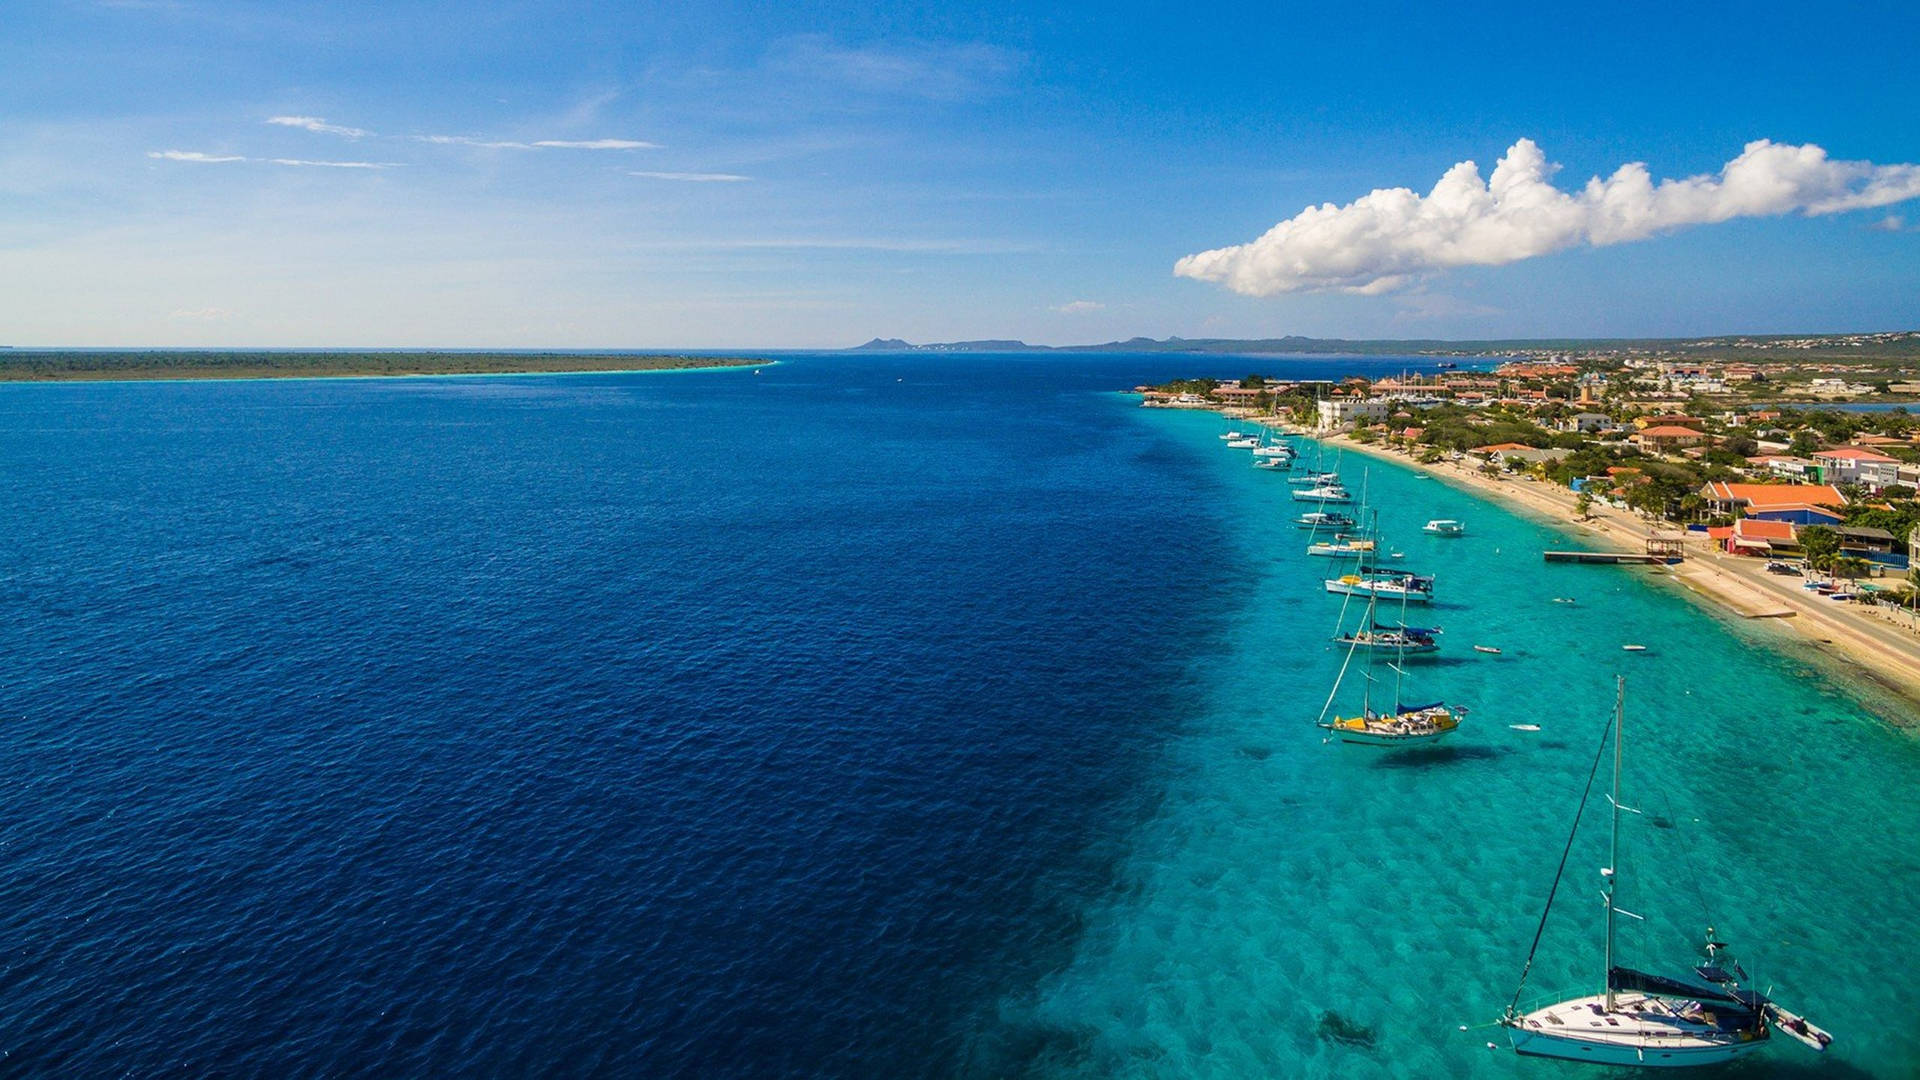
x=859, y=715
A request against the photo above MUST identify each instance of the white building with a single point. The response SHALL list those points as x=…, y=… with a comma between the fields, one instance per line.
x=1586, y=423
x=1852, y=465
x=1337, y=413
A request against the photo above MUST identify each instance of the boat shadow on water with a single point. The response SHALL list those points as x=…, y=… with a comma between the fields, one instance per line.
x=1774, y=1069
x=1419, y=757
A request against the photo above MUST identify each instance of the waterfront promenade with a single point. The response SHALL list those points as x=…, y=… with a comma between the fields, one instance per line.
x=1886, y=648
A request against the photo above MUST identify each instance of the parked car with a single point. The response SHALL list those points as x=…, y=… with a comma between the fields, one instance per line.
x=1778, y=567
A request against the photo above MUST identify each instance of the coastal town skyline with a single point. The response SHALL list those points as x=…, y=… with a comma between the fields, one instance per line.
x=529, y=176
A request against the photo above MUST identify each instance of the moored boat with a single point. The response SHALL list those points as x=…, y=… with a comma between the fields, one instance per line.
x=1420, y=724
x=1325, y=493
x=1641, y=1019
x=1444, y=527
x=1343, y=547
x=1385, y=584
x=1325, y=519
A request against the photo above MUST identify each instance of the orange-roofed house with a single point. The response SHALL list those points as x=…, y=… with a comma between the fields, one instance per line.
x=1753, y=536
x=1801, y=504
x=1668, y=437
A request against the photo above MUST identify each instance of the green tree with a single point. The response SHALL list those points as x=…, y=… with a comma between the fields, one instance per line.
x=1805, y=444
x=1583, y=504
x=1821, y=544
x=1253, y=382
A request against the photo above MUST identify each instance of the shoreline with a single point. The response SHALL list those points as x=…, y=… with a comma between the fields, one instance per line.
x=259, y=373
x=1854, y=642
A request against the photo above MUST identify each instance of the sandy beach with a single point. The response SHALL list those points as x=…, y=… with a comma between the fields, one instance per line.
x=1880, y=644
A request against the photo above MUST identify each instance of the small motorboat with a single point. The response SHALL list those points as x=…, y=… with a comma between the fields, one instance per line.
x=1634, y=648
x=1524, y=727
x=1444, y=527
x=1563, y=599
x=1488, y=649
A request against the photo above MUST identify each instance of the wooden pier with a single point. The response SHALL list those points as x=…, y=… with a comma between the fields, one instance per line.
x=1661, y=551
x=1608, y=557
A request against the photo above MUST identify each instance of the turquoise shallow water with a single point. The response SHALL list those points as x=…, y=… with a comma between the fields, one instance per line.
x=1280, y=878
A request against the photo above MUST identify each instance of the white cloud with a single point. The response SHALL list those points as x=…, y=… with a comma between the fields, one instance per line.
x=1384, y=240
x=1890, y=223
x=468, y=140
x=542, y=144
x=694, y=177
x=198, y=158
x=303, y=163
x=193, y=156
x=597, y=144
x=1079, y=307
x=319, y=126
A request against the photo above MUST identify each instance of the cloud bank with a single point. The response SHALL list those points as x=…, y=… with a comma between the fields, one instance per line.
x=319, y=126
x=1384, y=240
x=694, y=177
x=597, y=144
x=198, y=158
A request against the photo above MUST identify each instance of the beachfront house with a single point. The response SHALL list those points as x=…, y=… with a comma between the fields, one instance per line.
x=1801, y=504
x=1336, y=413
x=1765, y=539
x=1877, y=546
x=1855, y=465
x=1532, y=455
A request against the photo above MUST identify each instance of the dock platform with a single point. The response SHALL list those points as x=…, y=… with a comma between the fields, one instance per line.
x=1607, y=557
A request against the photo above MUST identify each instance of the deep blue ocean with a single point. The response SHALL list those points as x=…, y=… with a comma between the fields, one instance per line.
x=859, y=716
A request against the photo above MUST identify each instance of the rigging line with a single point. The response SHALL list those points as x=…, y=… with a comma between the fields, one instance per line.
x=1599, y=755
x=1338, y=679
x=1687, y=859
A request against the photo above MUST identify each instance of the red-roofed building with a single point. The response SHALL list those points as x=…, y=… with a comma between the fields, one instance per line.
x=1802, y=504
x=1753, y=536
x=1668, y=437
x=1855, y=465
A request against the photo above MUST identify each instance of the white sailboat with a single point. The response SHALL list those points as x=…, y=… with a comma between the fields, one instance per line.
x=1325, y=493
x=1384, y=584
x=1325, y=519
x=1642, y=1019
x=1403, y=725
x=1343, y=546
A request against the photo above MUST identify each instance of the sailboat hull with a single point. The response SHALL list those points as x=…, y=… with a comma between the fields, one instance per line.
x=1376, y=738
x=1645, y=1032
x=1566, y=1048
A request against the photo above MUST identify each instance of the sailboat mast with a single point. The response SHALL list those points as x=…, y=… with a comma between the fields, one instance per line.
x=1613, y=841
x=1400, y=646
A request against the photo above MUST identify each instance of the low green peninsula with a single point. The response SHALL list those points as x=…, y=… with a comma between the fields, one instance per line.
x=56, y=365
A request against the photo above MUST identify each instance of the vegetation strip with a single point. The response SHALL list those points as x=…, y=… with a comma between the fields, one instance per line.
x=19, y=365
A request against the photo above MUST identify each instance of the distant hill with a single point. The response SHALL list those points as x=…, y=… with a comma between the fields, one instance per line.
x=896, y=345
x=1901, y=344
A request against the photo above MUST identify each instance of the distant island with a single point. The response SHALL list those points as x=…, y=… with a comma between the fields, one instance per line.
x=58, y=365
x=1889, y=345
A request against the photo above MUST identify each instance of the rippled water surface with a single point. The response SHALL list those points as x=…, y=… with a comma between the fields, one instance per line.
x=867, y=716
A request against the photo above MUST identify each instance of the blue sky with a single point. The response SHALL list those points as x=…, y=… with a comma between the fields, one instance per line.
x=805, y=174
